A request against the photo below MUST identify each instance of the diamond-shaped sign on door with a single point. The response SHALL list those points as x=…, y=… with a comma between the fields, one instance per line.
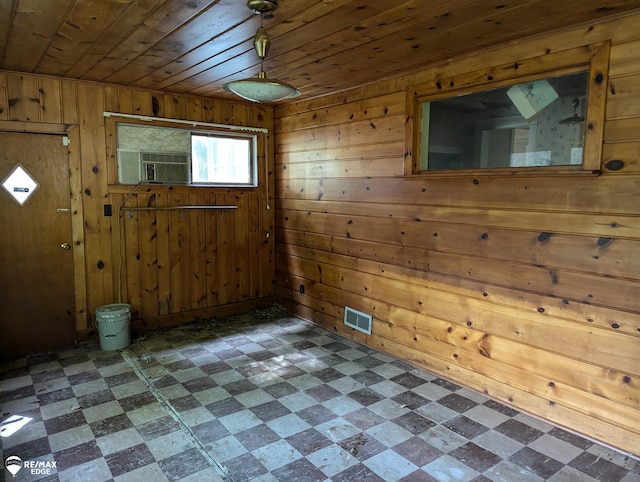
x=19, y=184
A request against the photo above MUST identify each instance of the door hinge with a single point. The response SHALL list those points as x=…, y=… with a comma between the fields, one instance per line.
x=65, y=141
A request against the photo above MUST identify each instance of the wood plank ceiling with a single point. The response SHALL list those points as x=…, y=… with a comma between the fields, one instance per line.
x=319, y=46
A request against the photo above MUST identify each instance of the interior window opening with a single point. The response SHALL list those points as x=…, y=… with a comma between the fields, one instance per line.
x=532, y=124
x=174, y=156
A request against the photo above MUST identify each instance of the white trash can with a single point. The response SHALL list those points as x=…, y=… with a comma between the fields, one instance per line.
x=113, y=326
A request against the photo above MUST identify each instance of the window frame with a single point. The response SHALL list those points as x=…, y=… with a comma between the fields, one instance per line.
x=591, y=58
x=258, y=147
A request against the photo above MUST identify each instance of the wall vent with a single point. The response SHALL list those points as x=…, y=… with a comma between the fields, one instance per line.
x=357, y=320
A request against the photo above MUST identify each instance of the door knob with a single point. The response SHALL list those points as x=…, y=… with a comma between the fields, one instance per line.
x=65, y=246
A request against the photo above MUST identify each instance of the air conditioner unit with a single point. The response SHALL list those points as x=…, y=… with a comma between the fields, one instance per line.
x=129, y=166
x=153, y=167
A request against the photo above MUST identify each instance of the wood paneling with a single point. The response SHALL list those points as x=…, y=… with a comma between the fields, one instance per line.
x=188, y=259
x=320, y=46
x=170, y=265
x=523, y=286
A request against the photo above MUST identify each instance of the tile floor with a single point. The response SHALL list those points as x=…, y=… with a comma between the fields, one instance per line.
x=268, y=397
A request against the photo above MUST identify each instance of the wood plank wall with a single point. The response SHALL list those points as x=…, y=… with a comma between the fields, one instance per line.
x=171, y=266
x=526, y=288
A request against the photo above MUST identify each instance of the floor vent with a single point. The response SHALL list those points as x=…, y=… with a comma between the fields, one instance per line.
x=357, y=320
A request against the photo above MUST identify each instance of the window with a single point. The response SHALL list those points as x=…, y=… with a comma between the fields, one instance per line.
x=167, y=155
x=537, y=123
x=511, y=118
x=220, y=159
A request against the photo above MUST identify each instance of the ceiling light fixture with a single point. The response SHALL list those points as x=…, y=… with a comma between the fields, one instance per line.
x=575, y=118
x=261, y=89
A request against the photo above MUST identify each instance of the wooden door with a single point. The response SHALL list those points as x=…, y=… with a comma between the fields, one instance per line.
x=36, y=266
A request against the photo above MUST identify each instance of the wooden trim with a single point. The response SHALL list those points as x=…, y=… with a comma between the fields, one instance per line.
x=34, y=127
x=111, y=140
x=550, y=65
x=411, y=136
x=595, y=57
x=179, y=188
x=505, y=172
x=194, y=124
x=596, y=109
x=77, y=229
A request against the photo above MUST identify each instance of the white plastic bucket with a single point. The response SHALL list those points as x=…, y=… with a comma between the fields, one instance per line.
x=113, y=326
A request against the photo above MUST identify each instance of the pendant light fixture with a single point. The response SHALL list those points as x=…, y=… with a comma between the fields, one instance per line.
x=261, y=88
x=575, y=118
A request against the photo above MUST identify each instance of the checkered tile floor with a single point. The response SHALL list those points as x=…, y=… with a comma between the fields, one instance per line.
x=267, y=397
